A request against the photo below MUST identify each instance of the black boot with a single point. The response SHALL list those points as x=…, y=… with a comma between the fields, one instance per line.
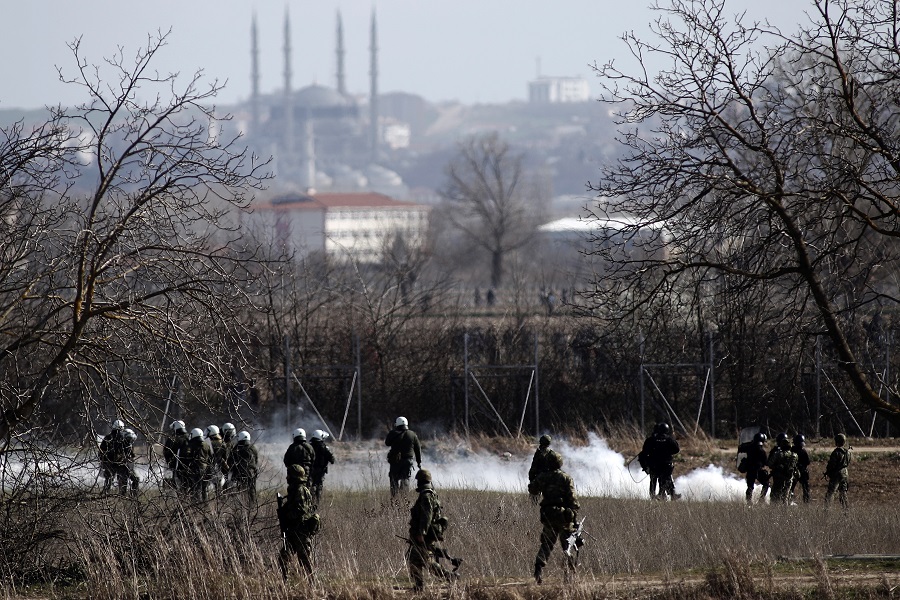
x=538, y=571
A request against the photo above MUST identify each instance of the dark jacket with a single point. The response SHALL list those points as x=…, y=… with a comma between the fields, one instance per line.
x=756, y=455
x=425, y=518
x=323, y=457
x=300, y=453
x=404, y=444
x=658, y=452
x=172, y=449
x=114, y=449
x=243, y=463
x=556, y=488
x=539, y=464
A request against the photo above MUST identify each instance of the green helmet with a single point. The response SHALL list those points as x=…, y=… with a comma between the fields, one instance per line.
x=544, y=441
x=296, y=473
x=554, y=460
x=840, y=439
x=423, y=475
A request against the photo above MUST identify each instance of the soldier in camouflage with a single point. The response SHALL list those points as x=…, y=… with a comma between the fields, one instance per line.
x=783, y=464
x=836, y=471
x=559, y=508
x=426, y=530
x=298, y=521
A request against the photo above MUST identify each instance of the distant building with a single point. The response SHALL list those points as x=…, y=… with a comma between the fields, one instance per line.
x=349, y=226
x=557, y=90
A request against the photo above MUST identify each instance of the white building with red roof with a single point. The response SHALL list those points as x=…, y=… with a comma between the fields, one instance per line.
x=357, y=226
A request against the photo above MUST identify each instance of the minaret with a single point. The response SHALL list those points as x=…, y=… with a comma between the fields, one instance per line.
x=373, y=91
x=308, y=170
x=288, y=96
x=254, y=78
x=341, y=84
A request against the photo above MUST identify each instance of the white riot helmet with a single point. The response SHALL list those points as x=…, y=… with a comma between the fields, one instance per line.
x=300, y=433
x=178, y=426
x=196, y=432
x=318, y=434
x=401, y=422
x=228, y=428
x=130, y=435
x=212, y=430
x=118, y=425
x=243, y=436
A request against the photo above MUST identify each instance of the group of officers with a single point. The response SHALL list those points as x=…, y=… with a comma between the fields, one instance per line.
x=787, y=464
x=196, y=459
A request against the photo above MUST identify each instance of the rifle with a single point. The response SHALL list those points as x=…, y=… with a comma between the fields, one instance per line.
x=576, y=539
x=439, y=553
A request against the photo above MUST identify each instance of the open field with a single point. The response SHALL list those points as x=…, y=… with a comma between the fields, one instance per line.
x=112, y=547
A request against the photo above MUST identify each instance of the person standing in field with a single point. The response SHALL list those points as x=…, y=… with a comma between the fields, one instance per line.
x=754, y=465
x=218, y=458
x=323, y=458
x=298, y=520
x=243, y=464
x=803, y=463
x=837, y=471
x=112, y=454
x=196, y=456
x=540, y=461
x=783, y=463
x=171, y=453
x=426, y=530
x=128, y=475
x=559, y=507
x=657, y=458
x=300, y=452
x=405, y=450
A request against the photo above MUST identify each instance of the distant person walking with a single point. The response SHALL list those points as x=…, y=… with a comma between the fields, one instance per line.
x=803, y=463
x=405, y=451
x=754, y=465
x=540, y=463
x=298, y=521
x=300, y=452
x=426, y=529
x=657, y=459
x=243, y=465
x=323, y=458
x=837, y=471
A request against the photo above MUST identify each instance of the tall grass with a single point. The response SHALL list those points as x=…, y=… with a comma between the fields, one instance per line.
x=158, y=547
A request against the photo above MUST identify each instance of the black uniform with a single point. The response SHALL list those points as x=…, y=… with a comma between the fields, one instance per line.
x=754, y=467
x=802, y=477
x=656, y=458
x=323, y=458
x=405, y=450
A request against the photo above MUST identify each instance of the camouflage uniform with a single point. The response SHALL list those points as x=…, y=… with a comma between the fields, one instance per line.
x=837, y=473
x=558, y=512
x=196, y=456
x=243, y=464
x=783, y=463
x=323, y=458
x=656, y=458
x=298, y=520
x=218, y=463
x=426, y=529
x=404, y=451
x=300, y=452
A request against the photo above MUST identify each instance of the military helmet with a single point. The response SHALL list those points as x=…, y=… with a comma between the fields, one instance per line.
x=300, y=433
x=545, y=440
x=228, y=427
x=661, y=428
x=401, y=422
x=782, y=437
x=760, y=438
x=243, y=436
x=177, y=426
x=840, y=439
x=296, y=472
x=799, y=439
x=212, y=430
x=554, y=460
x=196, y=432
x=423, y=475
x=118, y=425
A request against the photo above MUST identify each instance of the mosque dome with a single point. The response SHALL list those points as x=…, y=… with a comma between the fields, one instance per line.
x=325, y=102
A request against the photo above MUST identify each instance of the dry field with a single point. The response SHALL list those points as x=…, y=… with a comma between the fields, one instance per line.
x=159, y=548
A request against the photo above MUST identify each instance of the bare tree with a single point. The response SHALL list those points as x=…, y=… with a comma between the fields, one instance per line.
x=489, y=200
x=765, y=161
x=118, y=247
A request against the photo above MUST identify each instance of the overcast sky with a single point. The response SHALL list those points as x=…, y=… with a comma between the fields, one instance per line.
x=468, y=50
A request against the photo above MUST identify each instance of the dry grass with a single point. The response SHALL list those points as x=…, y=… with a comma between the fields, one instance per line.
x=157, y=548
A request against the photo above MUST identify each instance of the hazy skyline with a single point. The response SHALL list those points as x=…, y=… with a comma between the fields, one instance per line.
x=473, y=51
